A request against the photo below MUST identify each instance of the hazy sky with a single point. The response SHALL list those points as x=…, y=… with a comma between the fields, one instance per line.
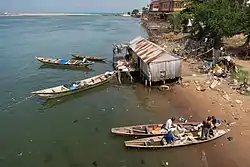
x=71, y=5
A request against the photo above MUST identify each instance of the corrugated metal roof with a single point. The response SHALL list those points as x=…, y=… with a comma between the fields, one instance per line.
x=150, y=52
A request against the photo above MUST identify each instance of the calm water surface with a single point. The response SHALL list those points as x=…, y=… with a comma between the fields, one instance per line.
x=73, y=131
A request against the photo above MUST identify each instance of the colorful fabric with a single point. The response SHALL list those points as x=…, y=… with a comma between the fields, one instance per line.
x=218, y=121
x=62, y=61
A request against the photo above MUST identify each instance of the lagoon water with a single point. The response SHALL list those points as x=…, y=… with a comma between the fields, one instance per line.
x=74, y=131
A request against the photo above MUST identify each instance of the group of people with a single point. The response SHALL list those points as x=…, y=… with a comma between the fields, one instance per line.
x=174, y=132
x=117, y=49
x=208, y=126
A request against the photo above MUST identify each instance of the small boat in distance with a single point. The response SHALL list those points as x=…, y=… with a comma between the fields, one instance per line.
x=64, y=62
x=126, y=15
x=148, y=130
x=76, y=87
x=90, y=58
x=188, y=139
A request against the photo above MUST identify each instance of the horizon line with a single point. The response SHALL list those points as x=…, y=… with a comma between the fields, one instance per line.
x=5, y=12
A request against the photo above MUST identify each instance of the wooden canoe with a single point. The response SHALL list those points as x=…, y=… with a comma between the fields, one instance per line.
x=147, y=130
x=188, y=139
x=90, y=58
x=64, y=62
x=76, y=87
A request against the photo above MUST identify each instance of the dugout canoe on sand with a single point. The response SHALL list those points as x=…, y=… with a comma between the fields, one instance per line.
x=187, y=139
x=64, y=62
x=148, y=129
x=76, y=87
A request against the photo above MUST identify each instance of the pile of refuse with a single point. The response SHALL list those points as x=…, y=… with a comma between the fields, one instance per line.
x=225, y=67
x=242, y=88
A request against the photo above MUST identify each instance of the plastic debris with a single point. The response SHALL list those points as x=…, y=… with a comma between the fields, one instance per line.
x=214, y=83
x=238, y=101
x=20, y=154
x=75, y=121
x=230, y=138
x=95, y=163
x=142, y=161
x=226, y=97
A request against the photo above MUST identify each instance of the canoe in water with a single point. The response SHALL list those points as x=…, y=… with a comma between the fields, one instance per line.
x=147, y=130
x=76, y=87
x=188, y=139
x=90, y=58
x=64, y=62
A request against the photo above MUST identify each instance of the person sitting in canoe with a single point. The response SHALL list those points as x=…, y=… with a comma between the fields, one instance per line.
x=172, y=136
x=169, y=137
x=84, y=60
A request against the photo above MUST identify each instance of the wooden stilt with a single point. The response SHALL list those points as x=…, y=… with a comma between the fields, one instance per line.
x=119, y=76
x=131, y=78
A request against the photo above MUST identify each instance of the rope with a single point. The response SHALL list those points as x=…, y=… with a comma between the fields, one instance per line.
x=18, y=102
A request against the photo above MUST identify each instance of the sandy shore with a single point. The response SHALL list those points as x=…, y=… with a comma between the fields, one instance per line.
x=222, y=102
x=211, y=102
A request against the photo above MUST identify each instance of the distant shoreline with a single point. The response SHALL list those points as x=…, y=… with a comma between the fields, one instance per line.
x=61, y=14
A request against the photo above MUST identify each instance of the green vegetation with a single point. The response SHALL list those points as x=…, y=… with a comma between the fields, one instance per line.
x=135, y=12
x=215, y=18
x=241, y=75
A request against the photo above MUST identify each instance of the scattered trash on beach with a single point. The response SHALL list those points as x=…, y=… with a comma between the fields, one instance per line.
x=230, y=138
x=199, y=87
x=214, y=84
x=164, y=87
x=238, y=101
x=226, y=97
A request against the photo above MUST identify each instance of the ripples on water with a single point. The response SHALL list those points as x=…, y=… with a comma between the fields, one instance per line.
x=72, y=131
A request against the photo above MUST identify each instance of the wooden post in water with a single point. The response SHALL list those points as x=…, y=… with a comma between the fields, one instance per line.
x=119, y=76
x=131, y=78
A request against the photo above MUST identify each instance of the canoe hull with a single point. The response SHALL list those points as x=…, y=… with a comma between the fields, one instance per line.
x=155, y=142
x=139, y=130
x=52, y=62
x=66, y=93
x=90, y=58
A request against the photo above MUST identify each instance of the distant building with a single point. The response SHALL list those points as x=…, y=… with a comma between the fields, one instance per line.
x=154, y=6
x=159, y=8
